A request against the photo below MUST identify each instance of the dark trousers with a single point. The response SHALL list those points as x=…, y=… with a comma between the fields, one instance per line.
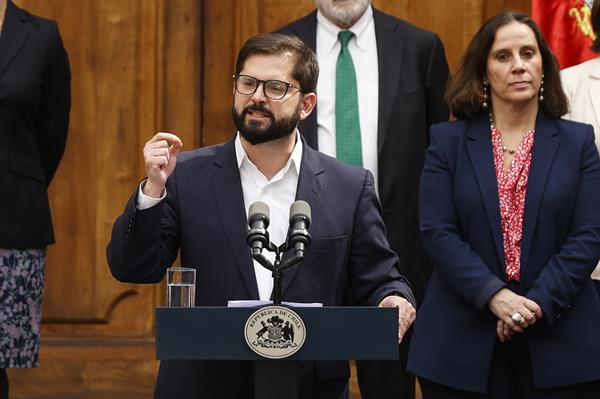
x=386, y=379
x=511, y=377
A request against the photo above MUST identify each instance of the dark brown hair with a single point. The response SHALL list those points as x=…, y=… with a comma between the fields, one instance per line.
x=306, y=68
x=465, y=94
x=596, y=25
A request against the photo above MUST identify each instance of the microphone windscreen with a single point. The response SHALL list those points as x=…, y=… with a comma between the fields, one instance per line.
x=258, y=208
x=302, y=209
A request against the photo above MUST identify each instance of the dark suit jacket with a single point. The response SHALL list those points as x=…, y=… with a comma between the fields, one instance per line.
x=204, y=215
x=34, y=114
x=412, y=79
x=455, y=332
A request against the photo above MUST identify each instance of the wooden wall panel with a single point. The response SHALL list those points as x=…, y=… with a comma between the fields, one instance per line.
x=128, y=82
x=219, y=43
x=491, y=7
x=140, y=66
x=135, y=70
x=112, y=50
x=179, y=68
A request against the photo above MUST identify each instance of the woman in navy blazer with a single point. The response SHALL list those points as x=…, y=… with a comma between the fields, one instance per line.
x=510, y=220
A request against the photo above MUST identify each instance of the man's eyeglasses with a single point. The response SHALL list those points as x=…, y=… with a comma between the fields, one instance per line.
x=273, y=89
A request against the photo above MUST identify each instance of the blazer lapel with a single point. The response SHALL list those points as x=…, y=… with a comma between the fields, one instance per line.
x=389, y=54
x=229, y=199
x=311, y=188
x=14, y=33
x=479, y=148
x=545, y=146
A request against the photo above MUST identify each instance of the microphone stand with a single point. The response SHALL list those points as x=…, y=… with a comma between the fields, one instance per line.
x=277, y=268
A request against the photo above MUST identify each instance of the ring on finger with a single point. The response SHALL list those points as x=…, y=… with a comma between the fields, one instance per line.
x=517, y=317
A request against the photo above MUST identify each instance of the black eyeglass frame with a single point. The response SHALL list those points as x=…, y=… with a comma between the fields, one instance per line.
x=264, y=86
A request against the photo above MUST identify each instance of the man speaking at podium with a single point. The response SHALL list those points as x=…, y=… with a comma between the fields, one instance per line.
x=197, y=202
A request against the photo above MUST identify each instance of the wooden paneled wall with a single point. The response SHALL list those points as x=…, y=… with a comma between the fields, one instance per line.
x=135, y=69
x=140, y=66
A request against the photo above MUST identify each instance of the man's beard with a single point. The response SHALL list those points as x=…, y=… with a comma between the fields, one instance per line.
x=277, y=129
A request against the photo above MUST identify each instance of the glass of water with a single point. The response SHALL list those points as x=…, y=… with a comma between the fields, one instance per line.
x=181, y=286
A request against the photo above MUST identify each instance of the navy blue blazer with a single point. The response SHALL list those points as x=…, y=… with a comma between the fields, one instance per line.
x=455, y=331
x=204, y=216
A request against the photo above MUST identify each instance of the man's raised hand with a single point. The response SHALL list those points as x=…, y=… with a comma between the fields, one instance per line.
x=160, y=158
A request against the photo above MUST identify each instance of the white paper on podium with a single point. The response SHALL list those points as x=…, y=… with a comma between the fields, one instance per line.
x=257, y=303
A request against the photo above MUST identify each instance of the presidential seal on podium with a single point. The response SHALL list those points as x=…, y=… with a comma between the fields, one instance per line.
x=275, y=332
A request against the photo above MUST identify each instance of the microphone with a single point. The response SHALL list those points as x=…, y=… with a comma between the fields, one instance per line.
x=258, y=221
x=298, y=235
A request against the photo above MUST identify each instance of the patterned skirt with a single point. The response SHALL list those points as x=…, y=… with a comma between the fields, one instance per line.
x=21, y=286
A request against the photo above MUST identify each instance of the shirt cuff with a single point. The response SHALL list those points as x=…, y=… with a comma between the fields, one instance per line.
x=145, y=202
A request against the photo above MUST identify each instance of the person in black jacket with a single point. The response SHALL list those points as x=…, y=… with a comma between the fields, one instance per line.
x=34, y=115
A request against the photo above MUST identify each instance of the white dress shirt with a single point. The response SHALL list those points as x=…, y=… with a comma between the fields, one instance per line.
x=363, y=49
x=278, y=193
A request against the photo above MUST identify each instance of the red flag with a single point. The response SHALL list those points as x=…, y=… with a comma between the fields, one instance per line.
x=567, y=27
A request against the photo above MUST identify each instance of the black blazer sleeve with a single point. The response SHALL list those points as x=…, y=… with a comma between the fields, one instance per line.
x=53, y=121
x=436, y=81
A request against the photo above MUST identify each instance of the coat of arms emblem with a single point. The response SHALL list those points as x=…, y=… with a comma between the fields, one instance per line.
x=275, y=332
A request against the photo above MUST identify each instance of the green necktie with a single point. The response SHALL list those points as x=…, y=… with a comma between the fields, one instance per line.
x=347, y=126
